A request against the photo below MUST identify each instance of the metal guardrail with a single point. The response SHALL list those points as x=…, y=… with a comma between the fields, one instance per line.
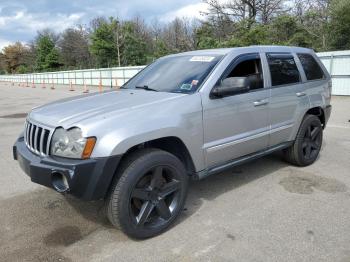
x=112, y=77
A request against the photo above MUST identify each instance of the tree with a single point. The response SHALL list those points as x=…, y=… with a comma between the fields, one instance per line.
x=269, y=9
x=258, y=34
x=74, y=47
x=179, y=35
x=104, y=43
x=222, y=19
x=2, y=64
x=205, y=37
x=134, y=48
x=261, y=11
x=160, y=49
x=282, y=29
x=47, y=57
x=22, y=69
x=29, y=57
x=52, y=59
x=314, y=17
x=14, y=57
x=339, y=28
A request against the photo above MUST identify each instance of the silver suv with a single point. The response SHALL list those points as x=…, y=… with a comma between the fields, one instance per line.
x=188, y=115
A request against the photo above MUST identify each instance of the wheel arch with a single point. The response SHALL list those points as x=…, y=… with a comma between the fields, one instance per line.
x=319, y=112
x=316, y=111
x=171, y=144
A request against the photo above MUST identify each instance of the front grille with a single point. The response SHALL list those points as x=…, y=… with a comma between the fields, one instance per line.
x=37, y=138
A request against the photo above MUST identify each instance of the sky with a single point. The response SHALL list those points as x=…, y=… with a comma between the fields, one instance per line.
x=21, y=19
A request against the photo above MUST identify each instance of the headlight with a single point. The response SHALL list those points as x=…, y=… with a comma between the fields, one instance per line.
x=71, y=143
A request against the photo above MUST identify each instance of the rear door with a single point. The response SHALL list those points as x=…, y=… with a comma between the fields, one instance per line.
x=316, y=82
x=288, y=96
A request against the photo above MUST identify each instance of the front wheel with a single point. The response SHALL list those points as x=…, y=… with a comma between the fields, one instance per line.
x=307, y=144
x=149, y=194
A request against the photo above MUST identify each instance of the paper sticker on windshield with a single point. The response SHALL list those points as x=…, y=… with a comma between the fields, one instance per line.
x=202, y=59
x=186, y=87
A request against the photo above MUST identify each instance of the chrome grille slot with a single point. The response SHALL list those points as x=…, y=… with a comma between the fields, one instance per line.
x=37, y=138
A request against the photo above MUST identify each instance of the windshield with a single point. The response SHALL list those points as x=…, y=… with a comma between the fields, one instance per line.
x=180, y=74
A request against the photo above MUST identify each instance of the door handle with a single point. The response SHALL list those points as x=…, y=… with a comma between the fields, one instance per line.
x=299, y=94
x=261, y=102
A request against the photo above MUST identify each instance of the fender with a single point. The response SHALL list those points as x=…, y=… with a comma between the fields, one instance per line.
x=181, y=119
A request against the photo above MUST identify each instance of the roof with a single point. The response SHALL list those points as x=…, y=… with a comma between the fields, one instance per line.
x=224, y=51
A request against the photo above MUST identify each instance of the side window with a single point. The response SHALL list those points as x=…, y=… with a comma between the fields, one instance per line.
x=250, y=68
x=283, y=69
x=311, y=68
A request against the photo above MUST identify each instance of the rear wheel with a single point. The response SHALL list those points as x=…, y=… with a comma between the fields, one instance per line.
x=149, y=194
x=307, y=145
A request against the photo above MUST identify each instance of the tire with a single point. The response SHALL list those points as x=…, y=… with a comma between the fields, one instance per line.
x=148, y=194
x=307, y=144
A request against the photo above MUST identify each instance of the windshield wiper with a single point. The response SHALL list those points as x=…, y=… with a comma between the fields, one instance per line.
x=146, y=88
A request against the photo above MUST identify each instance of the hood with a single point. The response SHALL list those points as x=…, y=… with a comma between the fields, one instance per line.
x=68, y=112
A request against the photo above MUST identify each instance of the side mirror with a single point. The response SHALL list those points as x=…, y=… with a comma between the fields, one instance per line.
x=231, y=86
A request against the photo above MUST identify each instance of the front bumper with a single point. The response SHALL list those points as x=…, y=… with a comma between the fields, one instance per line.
x=88, y=179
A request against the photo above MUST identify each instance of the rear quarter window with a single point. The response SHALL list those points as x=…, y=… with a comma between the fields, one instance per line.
x=311, y=68
x=283, y=69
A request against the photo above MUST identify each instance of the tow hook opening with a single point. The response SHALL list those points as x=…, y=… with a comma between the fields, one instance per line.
x=59, y=182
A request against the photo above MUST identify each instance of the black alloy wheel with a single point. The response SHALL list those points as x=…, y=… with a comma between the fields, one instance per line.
x=148, y=193
x=312, y=142
x=307, y=144
x=155, y=197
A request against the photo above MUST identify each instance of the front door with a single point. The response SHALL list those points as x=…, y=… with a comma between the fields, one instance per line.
x=237, y=125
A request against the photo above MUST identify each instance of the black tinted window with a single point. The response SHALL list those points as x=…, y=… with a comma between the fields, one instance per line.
x=311, y=68
x=283, y=69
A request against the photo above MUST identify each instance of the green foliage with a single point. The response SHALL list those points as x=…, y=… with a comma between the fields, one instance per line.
x=74, y=48
x=47, y=56
x=301, y=39
x=111, y=36
x=52, y=59
x=161, y=49
x=22, y=69
x=134, y=48
x=339, y=28
x=257, y=35
x=282, y=29
x=104, y=44
x=205, y=37
x=254, y=35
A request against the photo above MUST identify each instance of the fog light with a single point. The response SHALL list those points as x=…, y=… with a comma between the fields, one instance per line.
x=59, y=182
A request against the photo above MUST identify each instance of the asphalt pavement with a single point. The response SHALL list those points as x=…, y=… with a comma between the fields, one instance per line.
x=265, y=210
